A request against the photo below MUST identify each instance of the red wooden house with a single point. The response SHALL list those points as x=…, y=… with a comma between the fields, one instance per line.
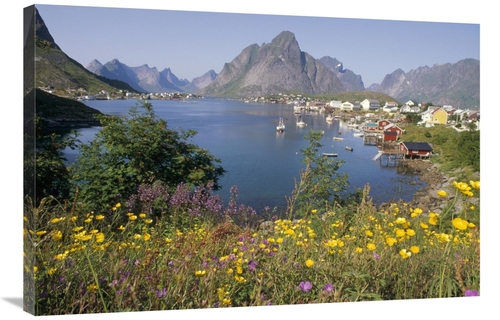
x=415, y=149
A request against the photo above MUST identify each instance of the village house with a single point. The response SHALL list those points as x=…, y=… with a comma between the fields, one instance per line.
x=391, y=131
x=410, y=109
x=337, y=105
x=415, y=149
x=370, y=104
x=435, y=115
x=350, y=106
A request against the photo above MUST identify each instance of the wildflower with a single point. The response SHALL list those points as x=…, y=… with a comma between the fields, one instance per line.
x=99, y=217
x=471, y=293
x=415, y=249
x=328, y=287
x=148, y=221
x=51, y=271
x=470, y=225
x=309, y=263
x=400, y=232
x=305, y=286
x=371, y=246
x=442, y=193
x=375, y=255
x=99, y=237
x=369, y=233
x=41, y=233
x=415, y=213
x=92, y=287
x=132, y=217
x=390, y=241
x=433, y=218
x=404, y=254
x=56, y=235
x=121, y=228
x=475, y=184
x=146, y=237
x=161, y=293
x=200, y=273
x=229, y=271
x=226, y=301
x=358, y=250
x=313, y=211
x=459, y=223
x=400, y=221
x=252, y=264
x=424, y=225
x=55, y=220
x=240, y=279
x=410, y=232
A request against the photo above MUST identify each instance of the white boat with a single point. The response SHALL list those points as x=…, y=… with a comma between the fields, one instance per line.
x=358, y=134
x=327, y=154
x=301, y=123
x=329, y=118
x=337, y=138
x=281, y=126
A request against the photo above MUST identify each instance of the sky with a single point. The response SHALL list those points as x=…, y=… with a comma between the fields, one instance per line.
x=191, y=43
x=381, y=53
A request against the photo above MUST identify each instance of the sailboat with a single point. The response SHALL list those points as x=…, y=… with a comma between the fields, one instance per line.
x=329, y=118
x=301, y=123
x=281, y=126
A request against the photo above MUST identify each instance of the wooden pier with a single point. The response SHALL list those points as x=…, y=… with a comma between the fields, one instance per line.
x=391, y=157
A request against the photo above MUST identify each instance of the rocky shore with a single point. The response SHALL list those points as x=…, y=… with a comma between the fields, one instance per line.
x=427, y=198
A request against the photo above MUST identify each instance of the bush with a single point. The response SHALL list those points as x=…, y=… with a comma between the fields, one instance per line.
x=139, y=149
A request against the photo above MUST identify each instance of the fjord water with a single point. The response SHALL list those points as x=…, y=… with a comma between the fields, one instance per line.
x=260, y=161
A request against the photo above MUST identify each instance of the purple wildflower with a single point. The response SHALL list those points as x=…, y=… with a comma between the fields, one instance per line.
x=472, y=293
x=328, y=287
x=161, y=293
x=252, y=264
x=305, y=286
x=375, y=255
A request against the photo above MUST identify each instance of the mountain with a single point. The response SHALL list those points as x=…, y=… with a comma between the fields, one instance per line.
x=143, y=78
x=350, y=81
x=204, y=80
x=455, y=84
x=53, y=68
x=279, y=66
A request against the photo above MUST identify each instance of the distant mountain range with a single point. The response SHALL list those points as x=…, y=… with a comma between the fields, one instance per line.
x=276, y=67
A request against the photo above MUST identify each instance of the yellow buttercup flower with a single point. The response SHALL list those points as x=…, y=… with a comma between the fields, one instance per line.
x=371, y=246
x=132, y=217
x=390, y=241
x=433, y=218
x=99, y=217
x=404, y=253
x=460, y=224
x=415, y=249
x=442, y=193
x=99, y=237
x=200, y=273
x=309, y=263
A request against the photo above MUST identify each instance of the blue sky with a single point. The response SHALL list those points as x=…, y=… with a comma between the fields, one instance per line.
x=190, y=43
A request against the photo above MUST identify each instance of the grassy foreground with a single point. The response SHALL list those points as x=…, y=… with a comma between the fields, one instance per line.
x=200, y=253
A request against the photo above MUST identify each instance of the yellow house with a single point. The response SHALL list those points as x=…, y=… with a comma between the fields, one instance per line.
x=439, y=116
x=435, y=115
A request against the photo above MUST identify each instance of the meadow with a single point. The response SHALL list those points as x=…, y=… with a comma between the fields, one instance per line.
x=188, y=250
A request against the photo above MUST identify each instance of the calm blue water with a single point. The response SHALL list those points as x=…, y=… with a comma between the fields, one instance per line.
x=261, y=162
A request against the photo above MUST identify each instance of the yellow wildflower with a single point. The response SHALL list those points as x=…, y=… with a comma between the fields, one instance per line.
x=415, y=249
x=475, y=184
x=410, y=232
x=92, y=287
x=309, y=263
x=358, y=250
x=390, y=241
x=132, y=217
x=371, y=246
x=55, y=220
x=433, y=218
x=41, y=233
x=404, y=254
x=442, y=193
x=99, y=217
x=459, y=223
x=146, y=237
x=200, y=273
x=142, y=215
x=99, y=237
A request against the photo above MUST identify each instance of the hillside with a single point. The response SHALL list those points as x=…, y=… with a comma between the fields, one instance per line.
x=53, y=68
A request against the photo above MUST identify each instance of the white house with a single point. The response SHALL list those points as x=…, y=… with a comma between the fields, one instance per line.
x=336, y=104
x=347, y=105
x=370, y=104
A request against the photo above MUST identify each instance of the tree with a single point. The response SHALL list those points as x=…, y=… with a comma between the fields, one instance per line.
x=320, y=184
x=44, y=170
x=139, y=149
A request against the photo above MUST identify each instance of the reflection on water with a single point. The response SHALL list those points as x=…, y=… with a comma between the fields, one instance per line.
x=262, y=162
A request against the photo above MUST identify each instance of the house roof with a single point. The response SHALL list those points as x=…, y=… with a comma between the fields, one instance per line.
x=422, y=146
